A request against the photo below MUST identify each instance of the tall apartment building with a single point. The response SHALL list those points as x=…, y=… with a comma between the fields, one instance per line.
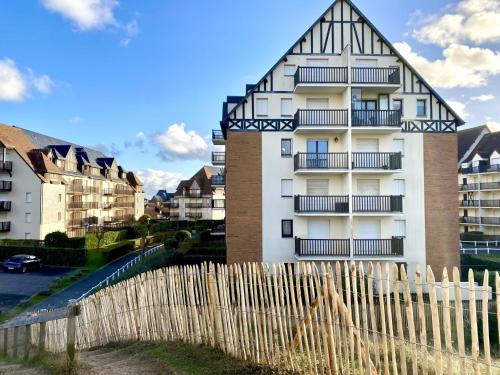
x=341, y=151
x=48, y=185
x=479, y=180
x=202, y=197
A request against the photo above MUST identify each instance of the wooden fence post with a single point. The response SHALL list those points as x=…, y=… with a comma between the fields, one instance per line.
x=15, y=342
x=486, y=329
x=41, y=337
x=73, y=311
x=5, y=341
x=27, y=341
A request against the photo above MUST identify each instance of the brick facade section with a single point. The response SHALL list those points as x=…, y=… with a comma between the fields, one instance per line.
x=244, y=197
x=441, y=209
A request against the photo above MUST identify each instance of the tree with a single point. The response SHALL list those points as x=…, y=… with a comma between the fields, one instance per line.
x=142, y=227
x=99, y=233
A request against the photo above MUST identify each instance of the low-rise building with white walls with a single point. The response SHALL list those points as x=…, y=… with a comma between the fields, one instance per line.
x=342, y=151
x=202, y=197
x=47, y=185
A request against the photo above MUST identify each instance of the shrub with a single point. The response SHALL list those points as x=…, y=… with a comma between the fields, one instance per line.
x=206, y=235
x=76, y=243
x=159, y=227
x=172, y=243
x=56, y=239
x=109, y=238
x=183, y=235
x=52, y=256
x=116, y=251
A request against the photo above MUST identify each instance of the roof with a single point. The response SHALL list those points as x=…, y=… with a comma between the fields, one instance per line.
x=467, y=137
x=250, y=90
x=162, y=196
x=202, y=178
x=488, y=143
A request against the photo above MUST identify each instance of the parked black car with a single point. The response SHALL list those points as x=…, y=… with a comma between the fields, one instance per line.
x=22, y=263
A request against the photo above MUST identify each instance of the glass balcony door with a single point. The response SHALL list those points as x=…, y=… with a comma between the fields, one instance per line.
x=317, y=153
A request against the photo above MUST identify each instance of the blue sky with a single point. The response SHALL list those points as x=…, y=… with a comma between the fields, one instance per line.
x=145, y=80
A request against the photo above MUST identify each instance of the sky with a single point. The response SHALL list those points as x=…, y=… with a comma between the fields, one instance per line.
x=144, y=81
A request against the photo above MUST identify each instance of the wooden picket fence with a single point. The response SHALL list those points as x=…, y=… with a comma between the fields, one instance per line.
x=334, y=318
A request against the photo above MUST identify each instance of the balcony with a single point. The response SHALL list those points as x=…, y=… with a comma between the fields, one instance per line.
x=83, y=205
x=194, y=205
x=373, y=204
x=194, y=215
x=80, y=189
x=6, y=166
x=218, y=137
x=174, y=205
x=490, y=220
x=468, y=203
x=490, y=203
x=320, y=79
x=5, y=185
x=218, y=180
x=107, y=206
x=321, y=248
x=124, y=191
x=4, y=226
x=218, y=158
x=328, y=204
x=331, y=120
x=483, y=167
x=174, y=215
x=5, y=206
x=380, y=121
x=376, y=247
x=108, y=191
x=123, y=204
x=468, y=187
x=376, y=161
x=489, y=185
x=470, y=220
x=333, y=162
x=118, y=218
x=75, y=222
x=382, y=80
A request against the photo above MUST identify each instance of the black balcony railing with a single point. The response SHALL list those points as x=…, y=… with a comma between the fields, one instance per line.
x=321, y=204
x=322, y=75
x=377, y=203
x=376, y=160
x=6, y=166
x=123, y=204
x=218, y=158
x=391, y=247
x=470, y=220
x=218, y=180
x=326, y=248
x=83, y=205
x=490, y=203
x=194, y=205
x=332, y=160
x=194, y=215
x=174, y=205
x=5, y=205
x=377, y=118
x=484, y=167
x=108, y=191
x=4, y=226
x=490, y=220
x=488, y=185
x=469, y=203
x=217, y=135
x=389, y=76
x=320, y=117
x=5, y=185
x=466, y=187
x=80, y=189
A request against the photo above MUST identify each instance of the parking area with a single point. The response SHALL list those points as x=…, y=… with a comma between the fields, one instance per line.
x=15, y=287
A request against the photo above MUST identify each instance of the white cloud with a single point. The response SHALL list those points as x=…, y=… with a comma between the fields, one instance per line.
x=459, y=108
x=131, y=29
x=76, y=120
x=15, y=85
x=464, y=22
x=177, y=143
x=155, y=180
x=110, y=150
x=482, y=98
x=461, y=66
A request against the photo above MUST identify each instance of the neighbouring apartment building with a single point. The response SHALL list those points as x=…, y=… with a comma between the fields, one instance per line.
x=341, y=151
x=479, y=179
x=202, y=197
x=48, y=185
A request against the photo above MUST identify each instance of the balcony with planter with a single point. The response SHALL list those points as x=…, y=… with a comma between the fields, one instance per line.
x=320, y=79
x=318, y=205
x=321, y=120
x=218, y=137
x=377, y=204
x=332, y=162
x=218, y=158
x=376, y=162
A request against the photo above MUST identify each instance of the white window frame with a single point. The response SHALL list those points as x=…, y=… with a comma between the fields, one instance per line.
x=291, y=147
x=286, y=107
x=28, y=217
x=397, y=224
x=425, y=108
x=29, y=197
x=401, y=141
x=286, y=188
x=27, y=236
x=403, y=183
x=262, y=107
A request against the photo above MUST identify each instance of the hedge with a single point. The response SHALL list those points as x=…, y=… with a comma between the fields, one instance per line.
x=52, y=256
x=108, y=238
x=117, y=250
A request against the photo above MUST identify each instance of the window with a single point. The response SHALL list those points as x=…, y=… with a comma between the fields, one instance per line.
x=399, y=146
x=290, y=69
x=286, y=228
x=400, y=228
x=421, y=108
x=29, y=198
x=27, y=217
x=60, y=198
x=286, y=188
x=261, y=104
x=27, y=236
x=286, y=107
x=59, y=216
x=286, y=147
x=399, y=187
x=397, y=105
